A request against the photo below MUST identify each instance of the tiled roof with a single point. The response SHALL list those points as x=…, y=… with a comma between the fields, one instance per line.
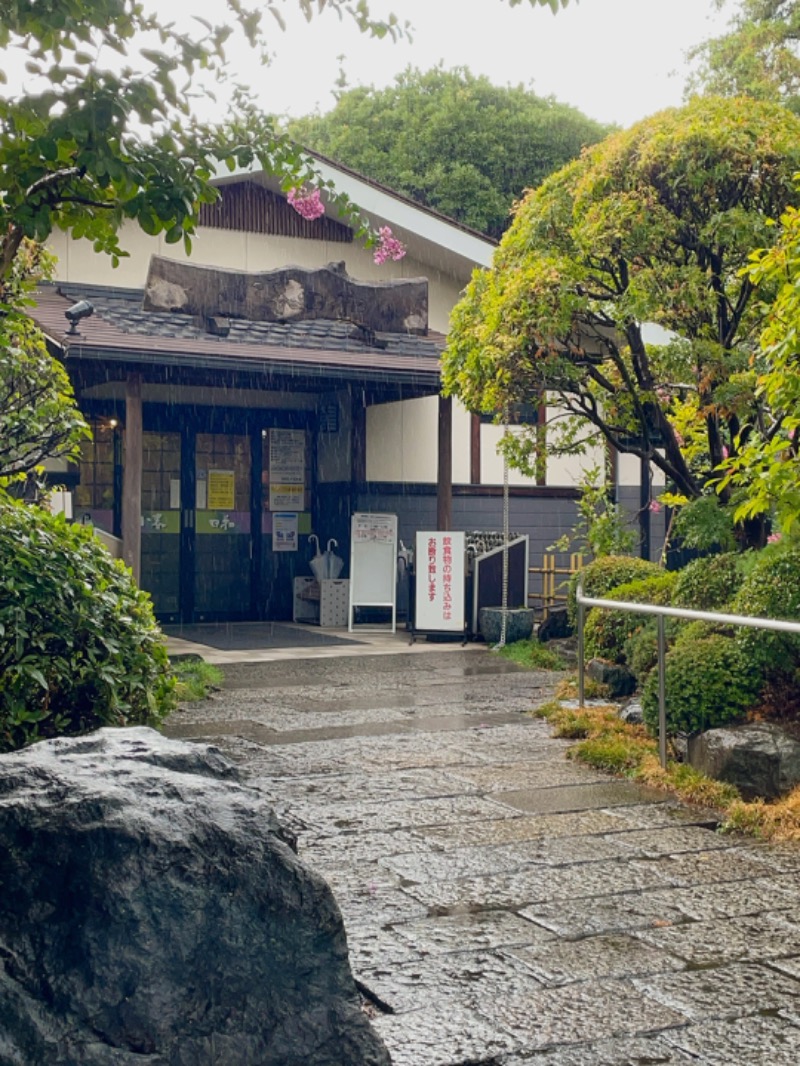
x=120, y=329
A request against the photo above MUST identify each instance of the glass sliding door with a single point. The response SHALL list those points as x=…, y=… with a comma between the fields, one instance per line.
x=223, y=554
x=161, y=522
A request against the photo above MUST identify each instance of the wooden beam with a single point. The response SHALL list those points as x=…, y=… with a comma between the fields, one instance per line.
x=444, y=481
x=132, y=476
x=359, y=438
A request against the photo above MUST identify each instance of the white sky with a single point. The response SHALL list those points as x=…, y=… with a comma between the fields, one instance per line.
x=616, y=60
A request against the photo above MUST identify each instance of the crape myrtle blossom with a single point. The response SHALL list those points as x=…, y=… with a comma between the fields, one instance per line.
x=389, y=247
x=306, y=203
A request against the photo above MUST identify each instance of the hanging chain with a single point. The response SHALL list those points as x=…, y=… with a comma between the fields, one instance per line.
x=504, y=602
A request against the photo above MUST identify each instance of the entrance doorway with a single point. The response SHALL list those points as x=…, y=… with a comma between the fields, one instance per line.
x=211, y=510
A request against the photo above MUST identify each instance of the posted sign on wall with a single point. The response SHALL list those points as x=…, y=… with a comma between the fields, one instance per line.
x=439, y=563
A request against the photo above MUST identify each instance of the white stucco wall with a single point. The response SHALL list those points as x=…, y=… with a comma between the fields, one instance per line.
x=492, y=459
x=402, y=441
x=78, y=262
x=628, y=472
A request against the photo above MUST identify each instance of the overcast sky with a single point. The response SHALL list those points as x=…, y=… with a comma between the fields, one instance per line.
x=616, y=60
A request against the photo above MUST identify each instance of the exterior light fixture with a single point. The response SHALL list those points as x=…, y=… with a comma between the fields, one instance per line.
x=82, y=309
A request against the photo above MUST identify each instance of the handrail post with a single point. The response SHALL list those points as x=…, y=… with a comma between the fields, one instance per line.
x=581, y=679
x=662, y=692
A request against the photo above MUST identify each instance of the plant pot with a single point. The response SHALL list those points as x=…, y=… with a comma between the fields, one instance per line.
x=519, y=624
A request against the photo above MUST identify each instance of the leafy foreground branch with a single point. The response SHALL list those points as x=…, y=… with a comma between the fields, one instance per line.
x=609, y=744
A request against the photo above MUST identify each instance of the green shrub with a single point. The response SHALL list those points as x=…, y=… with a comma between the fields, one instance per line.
x=606, y=631
x=709, y=583
x=604, y=574
x=79, y=647
x=771, y=589
x=641, y=650
x=709, y=682
x=686, y=632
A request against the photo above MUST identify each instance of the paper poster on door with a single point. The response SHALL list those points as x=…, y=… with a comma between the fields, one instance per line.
x=286, y=497
x=284, y=532
x=287, y=457
x=221, y=490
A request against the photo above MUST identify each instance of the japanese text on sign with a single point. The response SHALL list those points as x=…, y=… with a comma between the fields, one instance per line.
x=440, y=581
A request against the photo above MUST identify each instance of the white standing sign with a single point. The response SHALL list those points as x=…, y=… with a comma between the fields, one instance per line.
x=439, y=563
x=373, y=564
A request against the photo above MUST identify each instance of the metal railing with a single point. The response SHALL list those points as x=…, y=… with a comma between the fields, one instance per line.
x=661, y=613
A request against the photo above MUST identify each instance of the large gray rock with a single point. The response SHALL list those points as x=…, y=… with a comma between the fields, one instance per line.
x=760, y=759
x=151, y=914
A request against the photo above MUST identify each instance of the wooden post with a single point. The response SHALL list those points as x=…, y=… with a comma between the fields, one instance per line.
x=132, y=476
x=358, y=449
x=444, y=496
x=475, y=449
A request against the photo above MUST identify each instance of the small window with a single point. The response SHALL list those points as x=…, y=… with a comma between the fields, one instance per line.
x=519, y=414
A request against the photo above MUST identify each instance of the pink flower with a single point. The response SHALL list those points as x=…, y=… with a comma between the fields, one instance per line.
x=306, y=203
x=725, y=451
x=655, y=506
x=388, y=247
x=773, y=538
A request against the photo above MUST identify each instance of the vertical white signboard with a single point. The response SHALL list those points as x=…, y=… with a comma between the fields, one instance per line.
x=373, y=563
x=439, y=563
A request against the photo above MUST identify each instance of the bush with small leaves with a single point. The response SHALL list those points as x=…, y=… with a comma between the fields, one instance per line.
x=641, y=648
x=607, y=631
x=771, y=589
x=604, y=574
x=709, y=583
x=709, y=683
x=79, y=646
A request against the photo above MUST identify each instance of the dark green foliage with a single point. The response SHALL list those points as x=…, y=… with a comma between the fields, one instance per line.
x=606, y=573
x=641, y=650
x=451, y=141
x=79, y=647
x=709, y=683
x=606, y=632
x=709, y=583
x=771, y=590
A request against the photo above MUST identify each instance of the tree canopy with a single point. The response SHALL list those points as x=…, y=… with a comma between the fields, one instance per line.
x=757, y=57
x=651, y=228
x=451, y=140
x=767, y=465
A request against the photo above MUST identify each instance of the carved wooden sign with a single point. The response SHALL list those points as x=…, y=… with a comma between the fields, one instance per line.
x=290, y=294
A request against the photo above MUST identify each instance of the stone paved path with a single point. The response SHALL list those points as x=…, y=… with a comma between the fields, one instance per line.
x=504, y=906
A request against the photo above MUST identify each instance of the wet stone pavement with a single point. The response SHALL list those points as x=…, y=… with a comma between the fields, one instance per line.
x=503, y=905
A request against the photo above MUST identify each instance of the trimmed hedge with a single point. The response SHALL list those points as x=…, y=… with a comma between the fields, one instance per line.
x=606, y=632
x=709, y=683
x=79, y=646
x=771, y=590
x=709, y=583
x=604, y=574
